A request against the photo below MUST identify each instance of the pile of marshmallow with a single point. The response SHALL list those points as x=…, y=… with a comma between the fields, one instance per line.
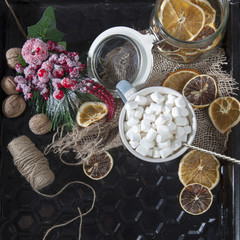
x=156, y=125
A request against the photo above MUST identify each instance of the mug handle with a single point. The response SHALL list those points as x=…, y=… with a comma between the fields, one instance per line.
x=125, y=90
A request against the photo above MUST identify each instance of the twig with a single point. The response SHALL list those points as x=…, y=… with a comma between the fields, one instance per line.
x=16, y=19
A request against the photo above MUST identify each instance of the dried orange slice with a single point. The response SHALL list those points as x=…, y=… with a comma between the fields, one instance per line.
x=195, y=199
x=207, y=31
x=90, y=112
x=98, y=166
x=182, y=19
x=199, y=167
x=224, y=113
x=177, y=79
x=200, y=91
x=209, y=11
x=164, y=46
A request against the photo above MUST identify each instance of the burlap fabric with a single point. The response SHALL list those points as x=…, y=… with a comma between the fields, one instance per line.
x=105, y=136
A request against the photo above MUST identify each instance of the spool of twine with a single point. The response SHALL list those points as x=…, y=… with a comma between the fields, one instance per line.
x=31, y=162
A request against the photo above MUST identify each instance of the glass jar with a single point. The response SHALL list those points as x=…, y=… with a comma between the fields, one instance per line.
x=184, y=42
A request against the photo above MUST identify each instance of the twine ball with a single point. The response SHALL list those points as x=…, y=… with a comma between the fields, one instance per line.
x=12, y=57
x=13, y=106
x=9, y=85
x=40, y=124
x=31, y=162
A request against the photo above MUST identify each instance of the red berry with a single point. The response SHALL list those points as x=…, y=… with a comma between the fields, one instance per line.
x=67, y=82
x=58, y=94
x=58, y=71
x=42, y=73
x=59, y=85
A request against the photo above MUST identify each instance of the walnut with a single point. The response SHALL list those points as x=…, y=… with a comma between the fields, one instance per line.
x=12, y=57
x=40, y=124
x=13, y=106
x=8, y=85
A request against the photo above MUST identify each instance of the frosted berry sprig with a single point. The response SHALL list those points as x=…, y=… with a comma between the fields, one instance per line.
x=48, y=65
x=53, y=70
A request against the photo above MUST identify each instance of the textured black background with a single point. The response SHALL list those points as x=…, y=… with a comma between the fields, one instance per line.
x=137, y=200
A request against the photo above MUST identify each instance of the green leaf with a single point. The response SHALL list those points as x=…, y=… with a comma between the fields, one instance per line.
x=46, y=27
x=63, y=43
x=22, y=61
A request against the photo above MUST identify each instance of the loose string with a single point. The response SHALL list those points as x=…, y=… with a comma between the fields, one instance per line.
x=79, y=210
x=16, y=19
x=230, y=159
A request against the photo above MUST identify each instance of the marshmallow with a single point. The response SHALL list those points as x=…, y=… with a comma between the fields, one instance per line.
x=167, y=109
x=171, y=98
x=150, y=117
x=145, y=125
x=148, y=110
x=139, y=112
x=133, y=136
x=142, y=150
x=136, y=128
x=149, y=100
x=180, y=131
x=125, y=127
x=147, y=144
x=157, y=108
x=131, y=105
x=181, y=121
x=187, y=129
x=151, y=135
x=157, y=97
x=172, y=126
x=165, y=152
x=133, y=144
x=180, y=102
x=163, y=145
x=176, y=112
x=156, y=152
x=163, y=118
x=163, y=130
x=132, y=121
x=184, y=112
x=176, y=144
x=182, y=138
x=160, y=138
x=141, y=100
x=154, y=126
x=129, y=113
x=150, y=153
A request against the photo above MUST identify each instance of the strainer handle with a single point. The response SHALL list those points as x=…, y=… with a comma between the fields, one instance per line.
x=125, y=90
x=213, y=153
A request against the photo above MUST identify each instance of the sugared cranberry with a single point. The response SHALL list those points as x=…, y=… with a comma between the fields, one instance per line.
x=67, y=82
x=58, y=94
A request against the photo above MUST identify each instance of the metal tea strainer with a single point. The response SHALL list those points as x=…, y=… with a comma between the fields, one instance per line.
x=121, y=53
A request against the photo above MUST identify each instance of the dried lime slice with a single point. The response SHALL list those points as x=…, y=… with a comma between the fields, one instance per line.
x=98, y=166
x=195, y=199
x=200, y=91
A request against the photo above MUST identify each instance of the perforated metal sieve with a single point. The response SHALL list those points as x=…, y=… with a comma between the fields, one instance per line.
x=121, y=53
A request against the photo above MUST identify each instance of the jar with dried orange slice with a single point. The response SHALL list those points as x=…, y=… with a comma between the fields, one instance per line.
x=195, y=199
x=200, y=91
x=98, y=166
x=189, y=29
x=224, y=113
x=199, y=167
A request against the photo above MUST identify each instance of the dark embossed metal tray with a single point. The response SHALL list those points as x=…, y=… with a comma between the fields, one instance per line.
x=137, y=200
